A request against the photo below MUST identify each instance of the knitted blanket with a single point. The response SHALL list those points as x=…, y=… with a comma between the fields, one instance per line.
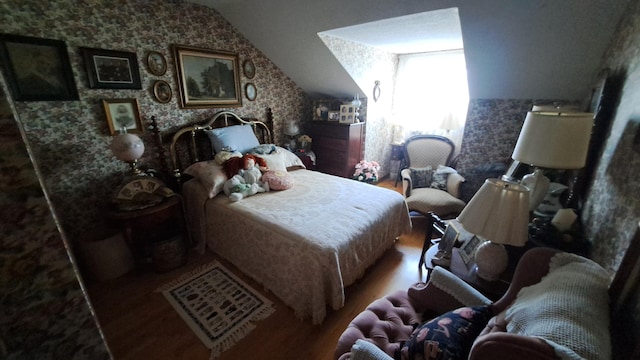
x=568, y=308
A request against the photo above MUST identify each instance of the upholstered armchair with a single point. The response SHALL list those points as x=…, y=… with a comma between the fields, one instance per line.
x=429, y=183
x=557, y=306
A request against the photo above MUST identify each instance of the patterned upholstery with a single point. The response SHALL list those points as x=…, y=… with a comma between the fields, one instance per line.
x=423, y=151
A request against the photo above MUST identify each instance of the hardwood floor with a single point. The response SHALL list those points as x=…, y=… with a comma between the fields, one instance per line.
x=139, y=323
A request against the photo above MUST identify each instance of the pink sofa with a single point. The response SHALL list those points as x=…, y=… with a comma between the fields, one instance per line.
x=518, y=329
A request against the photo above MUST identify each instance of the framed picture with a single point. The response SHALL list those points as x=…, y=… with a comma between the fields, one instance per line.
x=207, y=78
x=468, y=249
x=448, y=239
x=123, y=114
x=347, y=114
x=37, y=69
x=322, y=107
x=251, y=91
x=156, y=63
x=109, y=69
x=249, y=69
x=162, y=91
x=334, y=115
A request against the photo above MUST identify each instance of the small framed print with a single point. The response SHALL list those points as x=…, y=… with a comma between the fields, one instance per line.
x=468, y=249
x=334, y=116
x=108, y=69
x=249, y=69
x=347, y=114
x=162, y=91
x=448, y=239
x=37, y=69
x=250, y=91
x=156, y=63
x=123, y=114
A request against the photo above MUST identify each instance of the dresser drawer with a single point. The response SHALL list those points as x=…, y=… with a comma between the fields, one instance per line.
x=331, y=143
x=331, y=131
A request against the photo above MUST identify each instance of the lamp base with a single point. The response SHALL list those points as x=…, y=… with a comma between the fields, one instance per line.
x=491, y=260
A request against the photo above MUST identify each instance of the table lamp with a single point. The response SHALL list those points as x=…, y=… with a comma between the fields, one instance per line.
x=291, y=129
x=128, y=148
x=553, y=140
x=498, y=212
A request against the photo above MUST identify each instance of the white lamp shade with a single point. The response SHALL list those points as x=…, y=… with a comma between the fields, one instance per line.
x=291, y=128
x=127, y=147
x=554, y=140
x=499, y=212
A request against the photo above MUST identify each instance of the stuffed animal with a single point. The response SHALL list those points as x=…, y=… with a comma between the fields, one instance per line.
x=251, y=172
x=234, y=164
x=237, y=189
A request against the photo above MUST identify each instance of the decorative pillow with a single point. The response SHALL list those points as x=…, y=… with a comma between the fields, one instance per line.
x=263, y=149
x=421, y=177
x=449, y=336
x=275, y=161
x=282, y=159
x=210, y=174
x=277, y=179
x=233, y=138
x=439, y=181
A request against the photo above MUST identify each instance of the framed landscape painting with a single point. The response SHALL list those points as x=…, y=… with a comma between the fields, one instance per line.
x=207, y=78
x=37, y=69
x=109, y=69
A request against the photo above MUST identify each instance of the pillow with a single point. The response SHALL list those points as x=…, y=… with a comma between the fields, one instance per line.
x=449, y=336
x=210, y=174
x=222, y=156
x=439, y=181
x=277, y=179
x=421, y=177
x=282, y=159
x=233, y=138
x=263, y=149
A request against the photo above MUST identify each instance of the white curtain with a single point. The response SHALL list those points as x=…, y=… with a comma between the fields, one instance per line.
x=431, y=94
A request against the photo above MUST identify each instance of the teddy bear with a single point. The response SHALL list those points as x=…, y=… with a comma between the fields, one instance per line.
x=236, y=188
x=249, y=167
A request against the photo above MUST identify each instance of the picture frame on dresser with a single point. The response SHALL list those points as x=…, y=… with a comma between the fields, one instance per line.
x=37, y=69
x=207, y=78
x=111, y=69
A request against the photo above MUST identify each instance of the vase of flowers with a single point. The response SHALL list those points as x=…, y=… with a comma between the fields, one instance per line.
x=366, y=171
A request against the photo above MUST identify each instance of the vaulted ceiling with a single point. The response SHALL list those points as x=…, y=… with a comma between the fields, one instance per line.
x=535, y=49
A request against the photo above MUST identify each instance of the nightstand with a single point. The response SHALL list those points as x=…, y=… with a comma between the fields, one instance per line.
x=308, y=158
x=156, y=234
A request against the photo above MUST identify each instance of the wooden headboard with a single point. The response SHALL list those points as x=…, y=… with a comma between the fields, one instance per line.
x=191, y=144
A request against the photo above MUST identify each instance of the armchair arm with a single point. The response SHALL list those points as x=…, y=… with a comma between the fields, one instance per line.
x=407, y=185
x=454, y=182
x=502, y=345
x=444, y=292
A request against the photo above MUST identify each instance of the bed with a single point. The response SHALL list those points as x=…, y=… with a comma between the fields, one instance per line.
x=305, y=244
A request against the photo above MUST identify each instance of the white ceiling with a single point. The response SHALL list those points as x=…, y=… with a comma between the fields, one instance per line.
x=534, y=49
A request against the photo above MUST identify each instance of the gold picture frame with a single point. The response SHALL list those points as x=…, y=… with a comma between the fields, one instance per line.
x=123, y=114
x=207, y=78
x=156, y=63
x=162, y=91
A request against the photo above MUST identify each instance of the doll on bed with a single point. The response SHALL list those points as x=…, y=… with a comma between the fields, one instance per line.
x=245, y=170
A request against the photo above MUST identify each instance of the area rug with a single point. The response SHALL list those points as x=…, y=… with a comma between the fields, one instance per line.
x=219, y=307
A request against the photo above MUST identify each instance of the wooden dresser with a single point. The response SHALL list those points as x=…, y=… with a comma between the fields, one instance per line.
x=338, y=147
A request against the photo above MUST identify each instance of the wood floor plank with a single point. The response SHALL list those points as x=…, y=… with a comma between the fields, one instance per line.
x=139, y=323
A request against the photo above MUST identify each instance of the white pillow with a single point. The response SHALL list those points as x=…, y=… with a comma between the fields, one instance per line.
x=210, y=174
x=233, y=138
x=281, y=159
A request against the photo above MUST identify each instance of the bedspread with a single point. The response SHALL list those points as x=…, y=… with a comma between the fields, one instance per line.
x=304, y=244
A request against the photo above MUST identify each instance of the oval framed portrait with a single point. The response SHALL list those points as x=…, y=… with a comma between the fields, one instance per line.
x=250, y=91
x=162, y=91
x=249, y=69
x=156, y=63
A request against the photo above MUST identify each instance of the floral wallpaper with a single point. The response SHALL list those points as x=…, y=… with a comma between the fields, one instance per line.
x=70, y=139
x=611, y=212
x=44, y=313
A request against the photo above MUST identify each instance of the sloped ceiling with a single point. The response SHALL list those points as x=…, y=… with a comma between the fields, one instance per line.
x=535, y=49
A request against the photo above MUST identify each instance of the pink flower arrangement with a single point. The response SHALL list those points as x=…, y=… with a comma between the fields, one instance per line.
x=366, y=171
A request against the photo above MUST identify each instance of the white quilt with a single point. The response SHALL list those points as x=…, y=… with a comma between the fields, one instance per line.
x=304, y=244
